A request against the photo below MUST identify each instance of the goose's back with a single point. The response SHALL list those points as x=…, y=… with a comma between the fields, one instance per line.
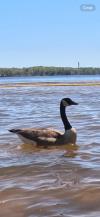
x=38, y=135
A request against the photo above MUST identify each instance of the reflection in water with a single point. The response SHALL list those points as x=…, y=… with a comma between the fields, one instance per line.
x=56, y=181
x=71, y=151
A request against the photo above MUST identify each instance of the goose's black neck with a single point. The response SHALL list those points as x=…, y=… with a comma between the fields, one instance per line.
x=64, y=118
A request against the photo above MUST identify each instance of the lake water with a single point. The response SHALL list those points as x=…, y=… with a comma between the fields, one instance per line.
x=56, y=181
x=68, y=78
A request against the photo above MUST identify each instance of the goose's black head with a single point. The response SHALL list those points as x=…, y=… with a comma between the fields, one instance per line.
x=67, y=102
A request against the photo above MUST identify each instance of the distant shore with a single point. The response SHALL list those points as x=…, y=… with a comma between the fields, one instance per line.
x=47, y=71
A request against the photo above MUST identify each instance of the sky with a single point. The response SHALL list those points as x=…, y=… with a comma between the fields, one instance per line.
x=49, y=33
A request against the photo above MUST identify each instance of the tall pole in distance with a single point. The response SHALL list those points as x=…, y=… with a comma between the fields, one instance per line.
x=78, y=65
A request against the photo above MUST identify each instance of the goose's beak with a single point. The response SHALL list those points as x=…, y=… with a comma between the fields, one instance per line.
x=74, y=103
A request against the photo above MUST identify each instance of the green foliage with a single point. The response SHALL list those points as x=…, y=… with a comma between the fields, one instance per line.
x=42, y=70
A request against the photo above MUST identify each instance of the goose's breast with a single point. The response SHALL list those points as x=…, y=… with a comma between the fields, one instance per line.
x=70, y=136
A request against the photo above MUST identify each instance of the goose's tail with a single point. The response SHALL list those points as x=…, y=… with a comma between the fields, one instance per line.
x=14, y=130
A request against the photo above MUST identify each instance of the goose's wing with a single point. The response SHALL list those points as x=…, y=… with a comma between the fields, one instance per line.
x=42, y=135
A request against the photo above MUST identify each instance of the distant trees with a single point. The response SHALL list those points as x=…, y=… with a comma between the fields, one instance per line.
x=42, y=71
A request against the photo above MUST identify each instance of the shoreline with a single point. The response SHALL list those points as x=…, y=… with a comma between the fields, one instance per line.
x=46, y=84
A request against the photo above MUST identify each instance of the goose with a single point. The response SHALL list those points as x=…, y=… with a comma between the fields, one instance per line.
x=49, y=136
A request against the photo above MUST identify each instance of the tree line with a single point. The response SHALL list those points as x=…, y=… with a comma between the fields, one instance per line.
x=43, y=70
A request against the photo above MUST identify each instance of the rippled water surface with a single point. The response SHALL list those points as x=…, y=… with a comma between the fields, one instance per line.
x=55, y=181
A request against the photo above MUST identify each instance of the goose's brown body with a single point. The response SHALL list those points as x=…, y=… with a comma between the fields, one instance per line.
x=47, y=136
x=44, y=136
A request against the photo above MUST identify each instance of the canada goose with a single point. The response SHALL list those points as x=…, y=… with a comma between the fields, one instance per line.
x=47, y=136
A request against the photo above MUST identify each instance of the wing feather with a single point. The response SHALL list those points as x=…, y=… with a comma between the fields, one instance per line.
x=39, y=135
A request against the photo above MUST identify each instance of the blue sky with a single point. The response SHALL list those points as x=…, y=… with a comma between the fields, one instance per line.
x=49, y=33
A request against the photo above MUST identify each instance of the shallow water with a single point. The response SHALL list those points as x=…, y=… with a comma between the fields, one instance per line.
x=56, y=181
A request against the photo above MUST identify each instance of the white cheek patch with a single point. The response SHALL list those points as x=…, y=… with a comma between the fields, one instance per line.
x=65, y=103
